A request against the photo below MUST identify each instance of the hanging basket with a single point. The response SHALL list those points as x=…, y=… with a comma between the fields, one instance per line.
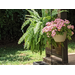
x=60, y=38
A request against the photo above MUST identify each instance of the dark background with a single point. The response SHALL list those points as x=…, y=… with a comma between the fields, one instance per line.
x=11, y=21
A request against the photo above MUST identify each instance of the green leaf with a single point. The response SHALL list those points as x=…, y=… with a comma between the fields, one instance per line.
x=22, y=38
x=30, y=12
x=49, y=12
x=25, y=35
x=42, y=26
x=35, y=13
x=7, y=15
x=63, y=11
x=34, y=18
x=46, y=19
x=36, y=28
x=46, y=12
x=43, y=12
x=62, y=44
x=54, y=12
x=39, y=39
x=25, y=23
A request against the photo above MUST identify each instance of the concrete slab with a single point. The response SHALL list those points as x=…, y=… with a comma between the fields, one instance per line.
x=71, y=59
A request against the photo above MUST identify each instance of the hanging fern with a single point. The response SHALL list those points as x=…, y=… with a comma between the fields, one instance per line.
x=33, y=37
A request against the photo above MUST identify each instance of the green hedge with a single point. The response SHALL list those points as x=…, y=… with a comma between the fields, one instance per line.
x=10, y=24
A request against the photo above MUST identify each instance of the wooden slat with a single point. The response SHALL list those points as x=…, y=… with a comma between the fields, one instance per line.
x=55, y=60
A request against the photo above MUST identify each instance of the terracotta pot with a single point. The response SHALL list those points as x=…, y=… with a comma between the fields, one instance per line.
x=60, y=38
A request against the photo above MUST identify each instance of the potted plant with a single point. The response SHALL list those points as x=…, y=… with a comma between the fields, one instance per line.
x=58, y=30
x=34, y=38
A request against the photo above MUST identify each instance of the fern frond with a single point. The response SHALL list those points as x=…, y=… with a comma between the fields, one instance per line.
x=34, y=18
x=49, y=12
x=22, y=38
x=46, y=19
x=25, y=35
x=54, y=12
x=42, y=26
x=46, y=12
x=36, y=28
x=43, y=12
x=36, y=37
x=31, y=12
x=63, y=11
x=35, y=13
x=25, y=23
x=30, y=37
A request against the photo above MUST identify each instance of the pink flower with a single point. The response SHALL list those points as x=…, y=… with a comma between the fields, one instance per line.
x=55, y=29
x=58, y=20
x=47, y=28
x=67, y=21
x=69, y=26
x=61, y=24
x=44, y=29
x=72, y=33
x=47, y=34
x=53, y=33
x=72, y=26
x=55, y=25
x=48, y=23
x=50, y=28
x=59, y=28
x=64, y=25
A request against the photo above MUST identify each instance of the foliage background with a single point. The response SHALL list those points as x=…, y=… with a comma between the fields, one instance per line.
x=11, y=21
x=10, y=24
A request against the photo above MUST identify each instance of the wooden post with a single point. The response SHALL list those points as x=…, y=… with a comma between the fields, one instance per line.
x=59, y=14
x=65, y=53
x=65, y=48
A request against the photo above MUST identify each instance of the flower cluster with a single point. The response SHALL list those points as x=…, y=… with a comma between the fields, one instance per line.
x=57, y=25
x=70, y=27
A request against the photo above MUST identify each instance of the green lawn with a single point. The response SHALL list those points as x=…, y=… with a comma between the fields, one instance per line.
x=71, y=47
x=16, y=55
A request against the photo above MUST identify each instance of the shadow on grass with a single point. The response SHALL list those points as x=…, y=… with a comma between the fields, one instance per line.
x=12, y=54
x=15, y=58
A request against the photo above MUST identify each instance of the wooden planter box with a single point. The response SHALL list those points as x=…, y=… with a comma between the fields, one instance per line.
x=60, y=52
x=55, y=51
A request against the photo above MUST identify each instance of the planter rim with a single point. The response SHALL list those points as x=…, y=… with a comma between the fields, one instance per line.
x=60, y=38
